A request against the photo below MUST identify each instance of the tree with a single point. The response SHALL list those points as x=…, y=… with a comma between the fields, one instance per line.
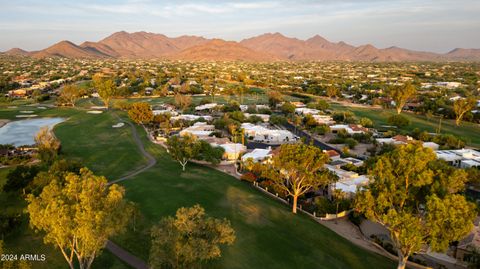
x=182, y=148
x=57, y=171
x=297, y=169
x=106, y=88
x=332, y=91
x=20, y=177
x=69, y=95
x=209, y=153
x=140, y=113
x=401, y=94
x=182, y=101
x=189, y=238
x=462, y=106
x=47, y=144
x=339, y=195
x=274, y=98
x=288, y=108
x=79, y=215
x=416, y=200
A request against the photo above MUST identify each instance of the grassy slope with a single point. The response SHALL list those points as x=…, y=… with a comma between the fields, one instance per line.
x=469, y=131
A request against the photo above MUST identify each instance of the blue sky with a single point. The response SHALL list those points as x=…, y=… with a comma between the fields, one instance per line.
x=433, y=25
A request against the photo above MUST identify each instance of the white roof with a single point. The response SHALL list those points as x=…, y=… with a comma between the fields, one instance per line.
x=257, y=154
x=233, y=147
x=206, y=106
x=305, y=111
x=190, y=117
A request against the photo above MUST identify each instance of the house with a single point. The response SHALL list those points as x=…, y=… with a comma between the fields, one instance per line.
x=348, y=181
x=251, y=129
x=258, y=155
x=264, y=117
x=396, y=140
x=324, y=119
x=199, y=129
x=233, y=151
x=462, y=158
x=190, y=117
x=332, y=154
x=275, y=137
x=209, y=106
x=306, y=111
x=350, y=128
x=339, y=162
x=298, y=104
x=432, y=145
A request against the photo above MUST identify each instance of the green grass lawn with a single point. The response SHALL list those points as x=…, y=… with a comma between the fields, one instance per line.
x=469, y=131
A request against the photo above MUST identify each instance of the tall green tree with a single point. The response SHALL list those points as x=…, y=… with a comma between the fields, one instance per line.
x=462, y=106
x=182, y=149
x=106, y=88
x=188, y=239
x=417, y=200
x=401, y=94
x=297, y=169
x=140, y=113
x=79, y=215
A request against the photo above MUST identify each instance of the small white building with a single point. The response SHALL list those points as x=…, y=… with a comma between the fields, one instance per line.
x=463, y=158
x=264, y=117
x=258, y=155
x=306, y=111
x=275, y=137
x=396, y=140
x=190, y=117
x=206, y=107
x=199, y=129
x=233, y=150
x=348, y=181
x=324, y=119
x=252, y=129
x=350, y=128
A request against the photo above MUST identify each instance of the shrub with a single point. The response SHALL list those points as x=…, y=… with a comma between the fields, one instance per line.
x=366, y=122
x=321, y=129
x=398, y=120
x=351, y=143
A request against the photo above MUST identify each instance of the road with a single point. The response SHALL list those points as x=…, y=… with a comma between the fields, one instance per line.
x=302, y=133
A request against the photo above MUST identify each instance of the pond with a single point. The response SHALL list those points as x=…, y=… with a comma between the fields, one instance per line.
x=22, y=132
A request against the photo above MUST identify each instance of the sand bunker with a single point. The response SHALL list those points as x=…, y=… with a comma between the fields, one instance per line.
x=98, y=107
x=26, y=116
x=118, y=125
x=94, y=112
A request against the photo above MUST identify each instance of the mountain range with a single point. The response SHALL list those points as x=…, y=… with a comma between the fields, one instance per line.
x=266, y=47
